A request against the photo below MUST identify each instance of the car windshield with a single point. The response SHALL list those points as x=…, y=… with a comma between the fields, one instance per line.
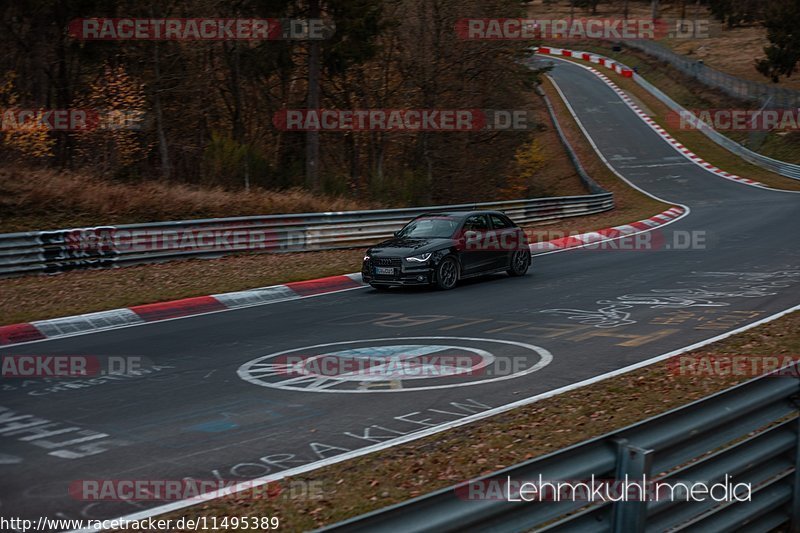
x=430, y=227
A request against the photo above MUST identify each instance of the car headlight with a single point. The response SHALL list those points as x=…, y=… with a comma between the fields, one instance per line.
x=419, y=258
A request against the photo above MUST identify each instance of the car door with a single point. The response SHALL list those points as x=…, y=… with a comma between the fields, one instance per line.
x=507, y=240
x=475, y=256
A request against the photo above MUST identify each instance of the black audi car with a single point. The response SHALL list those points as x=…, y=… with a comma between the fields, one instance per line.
x=441, y=248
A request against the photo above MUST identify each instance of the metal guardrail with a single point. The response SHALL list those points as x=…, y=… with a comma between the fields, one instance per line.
x=128, y=244
x=783, y=168
x=734, y=86
x=586, y=179
x=749, y=432
x=50, y=252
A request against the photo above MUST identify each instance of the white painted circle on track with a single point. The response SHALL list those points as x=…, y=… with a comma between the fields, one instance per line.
x=293, y=372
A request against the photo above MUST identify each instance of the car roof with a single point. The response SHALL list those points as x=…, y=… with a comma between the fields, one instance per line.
x=461, y=214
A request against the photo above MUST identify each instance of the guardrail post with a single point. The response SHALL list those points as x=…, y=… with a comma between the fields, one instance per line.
x=794, y=517
x=635, y=462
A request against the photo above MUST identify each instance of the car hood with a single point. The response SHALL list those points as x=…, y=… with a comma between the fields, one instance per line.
x=402, y=247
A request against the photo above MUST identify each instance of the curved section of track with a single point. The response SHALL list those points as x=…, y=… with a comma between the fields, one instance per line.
x=591, y=311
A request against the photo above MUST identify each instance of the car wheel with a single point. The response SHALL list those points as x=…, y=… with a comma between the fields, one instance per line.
x=520, y=261
x=447, y=273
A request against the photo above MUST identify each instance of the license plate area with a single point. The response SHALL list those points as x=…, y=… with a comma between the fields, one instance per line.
x=384, y=271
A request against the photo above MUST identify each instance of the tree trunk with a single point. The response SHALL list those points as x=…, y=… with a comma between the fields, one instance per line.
x=236, y=93
x=312, y=137
x=163, y=148
x=63, y=149
x=696, y=15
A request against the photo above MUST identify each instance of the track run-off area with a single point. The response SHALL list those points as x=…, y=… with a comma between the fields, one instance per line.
x=214, y=401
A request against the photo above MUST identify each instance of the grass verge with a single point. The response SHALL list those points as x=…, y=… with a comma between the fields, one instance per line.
x=397, y=474
x=40, y=199
x=41, y=297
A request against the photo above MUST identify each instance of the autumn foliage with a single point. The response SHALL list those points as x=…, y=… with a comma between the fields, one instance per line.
x=205, y=108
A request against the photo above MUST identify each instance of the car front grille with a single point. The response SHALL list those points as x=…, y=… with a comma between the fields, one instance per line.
x=386, y=261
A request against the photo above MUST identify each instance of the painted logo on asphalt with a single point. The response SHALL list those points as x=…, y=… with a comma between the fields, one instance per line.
x=395, y=364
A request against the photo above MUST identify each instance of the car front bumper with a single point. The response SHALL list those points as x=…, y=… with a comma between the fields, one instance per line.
x=403, y=275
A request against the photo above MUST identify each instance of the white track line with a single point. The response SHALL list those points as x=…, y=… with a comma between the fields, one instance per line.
x=176, y=506
x=658, y=129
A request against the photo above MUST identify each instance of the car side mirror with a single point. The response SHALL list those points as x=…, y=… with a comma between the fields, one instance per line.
x=396, y=233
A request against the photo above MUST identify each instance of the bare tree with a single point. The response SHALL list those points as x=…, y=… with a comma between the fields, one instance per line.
x=312, y=137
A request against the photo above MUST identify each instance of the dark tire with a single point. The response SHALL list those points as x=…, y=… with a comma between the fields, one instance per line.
x=447, y=274
x=520, y=262
x=379, y=287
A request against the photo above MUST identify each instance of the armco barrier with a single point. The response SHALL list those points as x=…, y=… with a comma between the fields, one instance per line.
x=56, y=251
x=749, y=432
x=110, y=246
x=783, y=168
x=587, y=180
x=764, y=93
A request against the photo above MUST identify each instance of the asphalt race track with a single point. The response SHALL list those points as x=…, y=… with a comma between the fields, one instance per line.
x=214, y=405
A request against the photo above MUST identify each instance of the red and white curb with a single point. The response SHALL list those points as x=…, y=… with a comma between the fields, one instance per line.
x=627, y=72
x=576, y=241
x=199, y=305
x=619, y=68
